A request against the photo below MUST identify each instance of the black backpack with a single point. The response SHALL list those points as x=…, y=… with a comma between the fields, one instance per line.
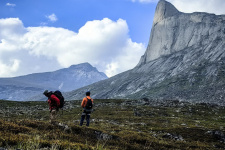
x=59, y=95
x=89, y=104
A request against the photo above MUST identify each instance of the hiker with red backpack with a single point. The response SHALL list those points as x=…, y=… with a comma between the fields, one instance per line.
x=55, y=102
x=86, y=104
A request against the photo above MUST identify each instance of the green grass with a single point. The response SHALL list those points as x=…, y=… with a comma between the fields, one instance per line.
x=115, y=124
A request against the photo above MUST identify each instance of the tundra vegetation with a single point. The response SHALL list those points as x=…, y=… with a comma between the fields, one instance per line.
x=115, y=124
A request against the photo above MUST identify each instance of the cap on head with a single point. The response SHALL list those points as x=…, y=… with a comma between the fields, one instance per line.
x=88, y=93
x=46, y=92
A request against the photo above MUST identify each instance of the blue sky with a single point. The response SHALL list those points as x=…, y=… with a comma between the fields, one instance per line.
x=73, y=14
x=112, y=35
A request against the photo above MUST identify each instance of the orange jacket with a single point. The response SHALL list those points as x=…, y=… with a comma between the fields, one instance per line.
x=84, y=102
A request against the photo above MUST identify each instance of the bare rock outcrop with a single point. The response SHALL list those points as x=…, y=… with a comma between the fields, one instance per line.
x=175, y=31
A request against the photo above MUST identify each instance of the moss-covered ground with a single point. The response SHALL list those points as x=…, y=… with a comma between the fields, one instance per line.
x=115, y=124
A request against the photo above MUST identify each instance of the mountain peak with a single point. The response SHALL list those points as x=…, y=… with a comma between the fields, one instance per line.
x=82, y=64
x=66, y=79
x=164, y=9
x=85, y=66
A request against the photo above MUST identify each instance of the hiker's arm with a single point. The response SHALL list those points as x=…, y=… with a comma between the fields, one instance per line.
x=83, y=103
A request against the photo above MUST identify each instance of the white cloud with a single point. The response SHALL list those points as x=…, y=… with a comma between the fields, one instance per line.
x=145, y=1
x=52, y=17
x=43, y=23
x=10, y=4
x=189, y=6
x=103, y=43
x=9, y=68
x=210, y=6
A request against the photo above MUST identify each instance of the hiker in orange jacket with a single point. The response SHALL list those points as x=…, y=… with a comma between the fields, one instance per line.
x=54, y=103
x=86, y=104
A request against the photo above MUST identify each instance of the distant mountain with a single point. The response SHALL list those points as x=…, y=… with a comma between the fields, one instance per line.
x=184, y=60
x=25, y=87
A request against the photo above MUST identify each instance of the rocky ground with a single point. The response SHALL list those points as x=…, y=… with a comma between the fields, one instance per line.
x=115, y=124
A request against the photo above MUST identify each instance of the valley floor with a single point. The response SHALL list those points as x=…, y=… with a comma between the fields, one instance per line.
x=115, y=124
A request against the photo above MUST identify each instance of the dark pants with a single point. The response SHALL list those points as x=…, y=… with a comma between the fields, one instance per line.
x=87, y=115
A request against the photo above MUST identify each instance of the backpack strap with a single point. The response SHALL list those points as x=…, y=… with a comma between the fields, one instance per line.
x=87, y=99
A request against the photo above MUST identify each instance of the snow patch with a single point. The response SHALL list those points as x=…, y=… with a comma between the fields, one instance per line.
x=61, y=85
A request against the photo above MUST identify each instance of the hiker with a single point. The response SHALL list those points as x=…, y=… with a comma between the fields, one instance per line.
x=54, y=104
x=86, y=104
x=59, y=95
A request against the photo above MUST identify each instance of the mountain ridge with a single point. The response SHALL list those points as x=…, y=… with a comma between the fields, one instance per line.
x=184, y=60
x=66, y=79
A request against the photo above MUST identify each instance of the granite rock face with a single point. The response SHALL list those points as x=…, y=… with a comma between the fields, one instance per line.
x=184, y=60
x=174, y=31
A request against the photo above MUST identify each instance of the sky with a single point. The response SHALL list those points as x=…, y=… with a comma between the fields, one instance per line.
x=112, y=35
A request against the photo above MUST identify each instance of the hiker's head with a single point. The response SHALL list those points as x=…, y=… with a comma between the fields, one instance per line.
x=46, y=93
x=88, y=93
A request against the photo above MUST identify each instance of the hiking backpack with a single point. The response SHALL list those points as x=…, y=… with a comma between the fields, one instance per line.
x=59, y=95
x=89, y=104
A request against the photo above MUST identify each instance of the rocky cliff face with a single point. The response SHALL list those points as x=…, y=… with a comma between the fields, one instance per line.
x=174, y=31
x=185, y=60
x=25, y=87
